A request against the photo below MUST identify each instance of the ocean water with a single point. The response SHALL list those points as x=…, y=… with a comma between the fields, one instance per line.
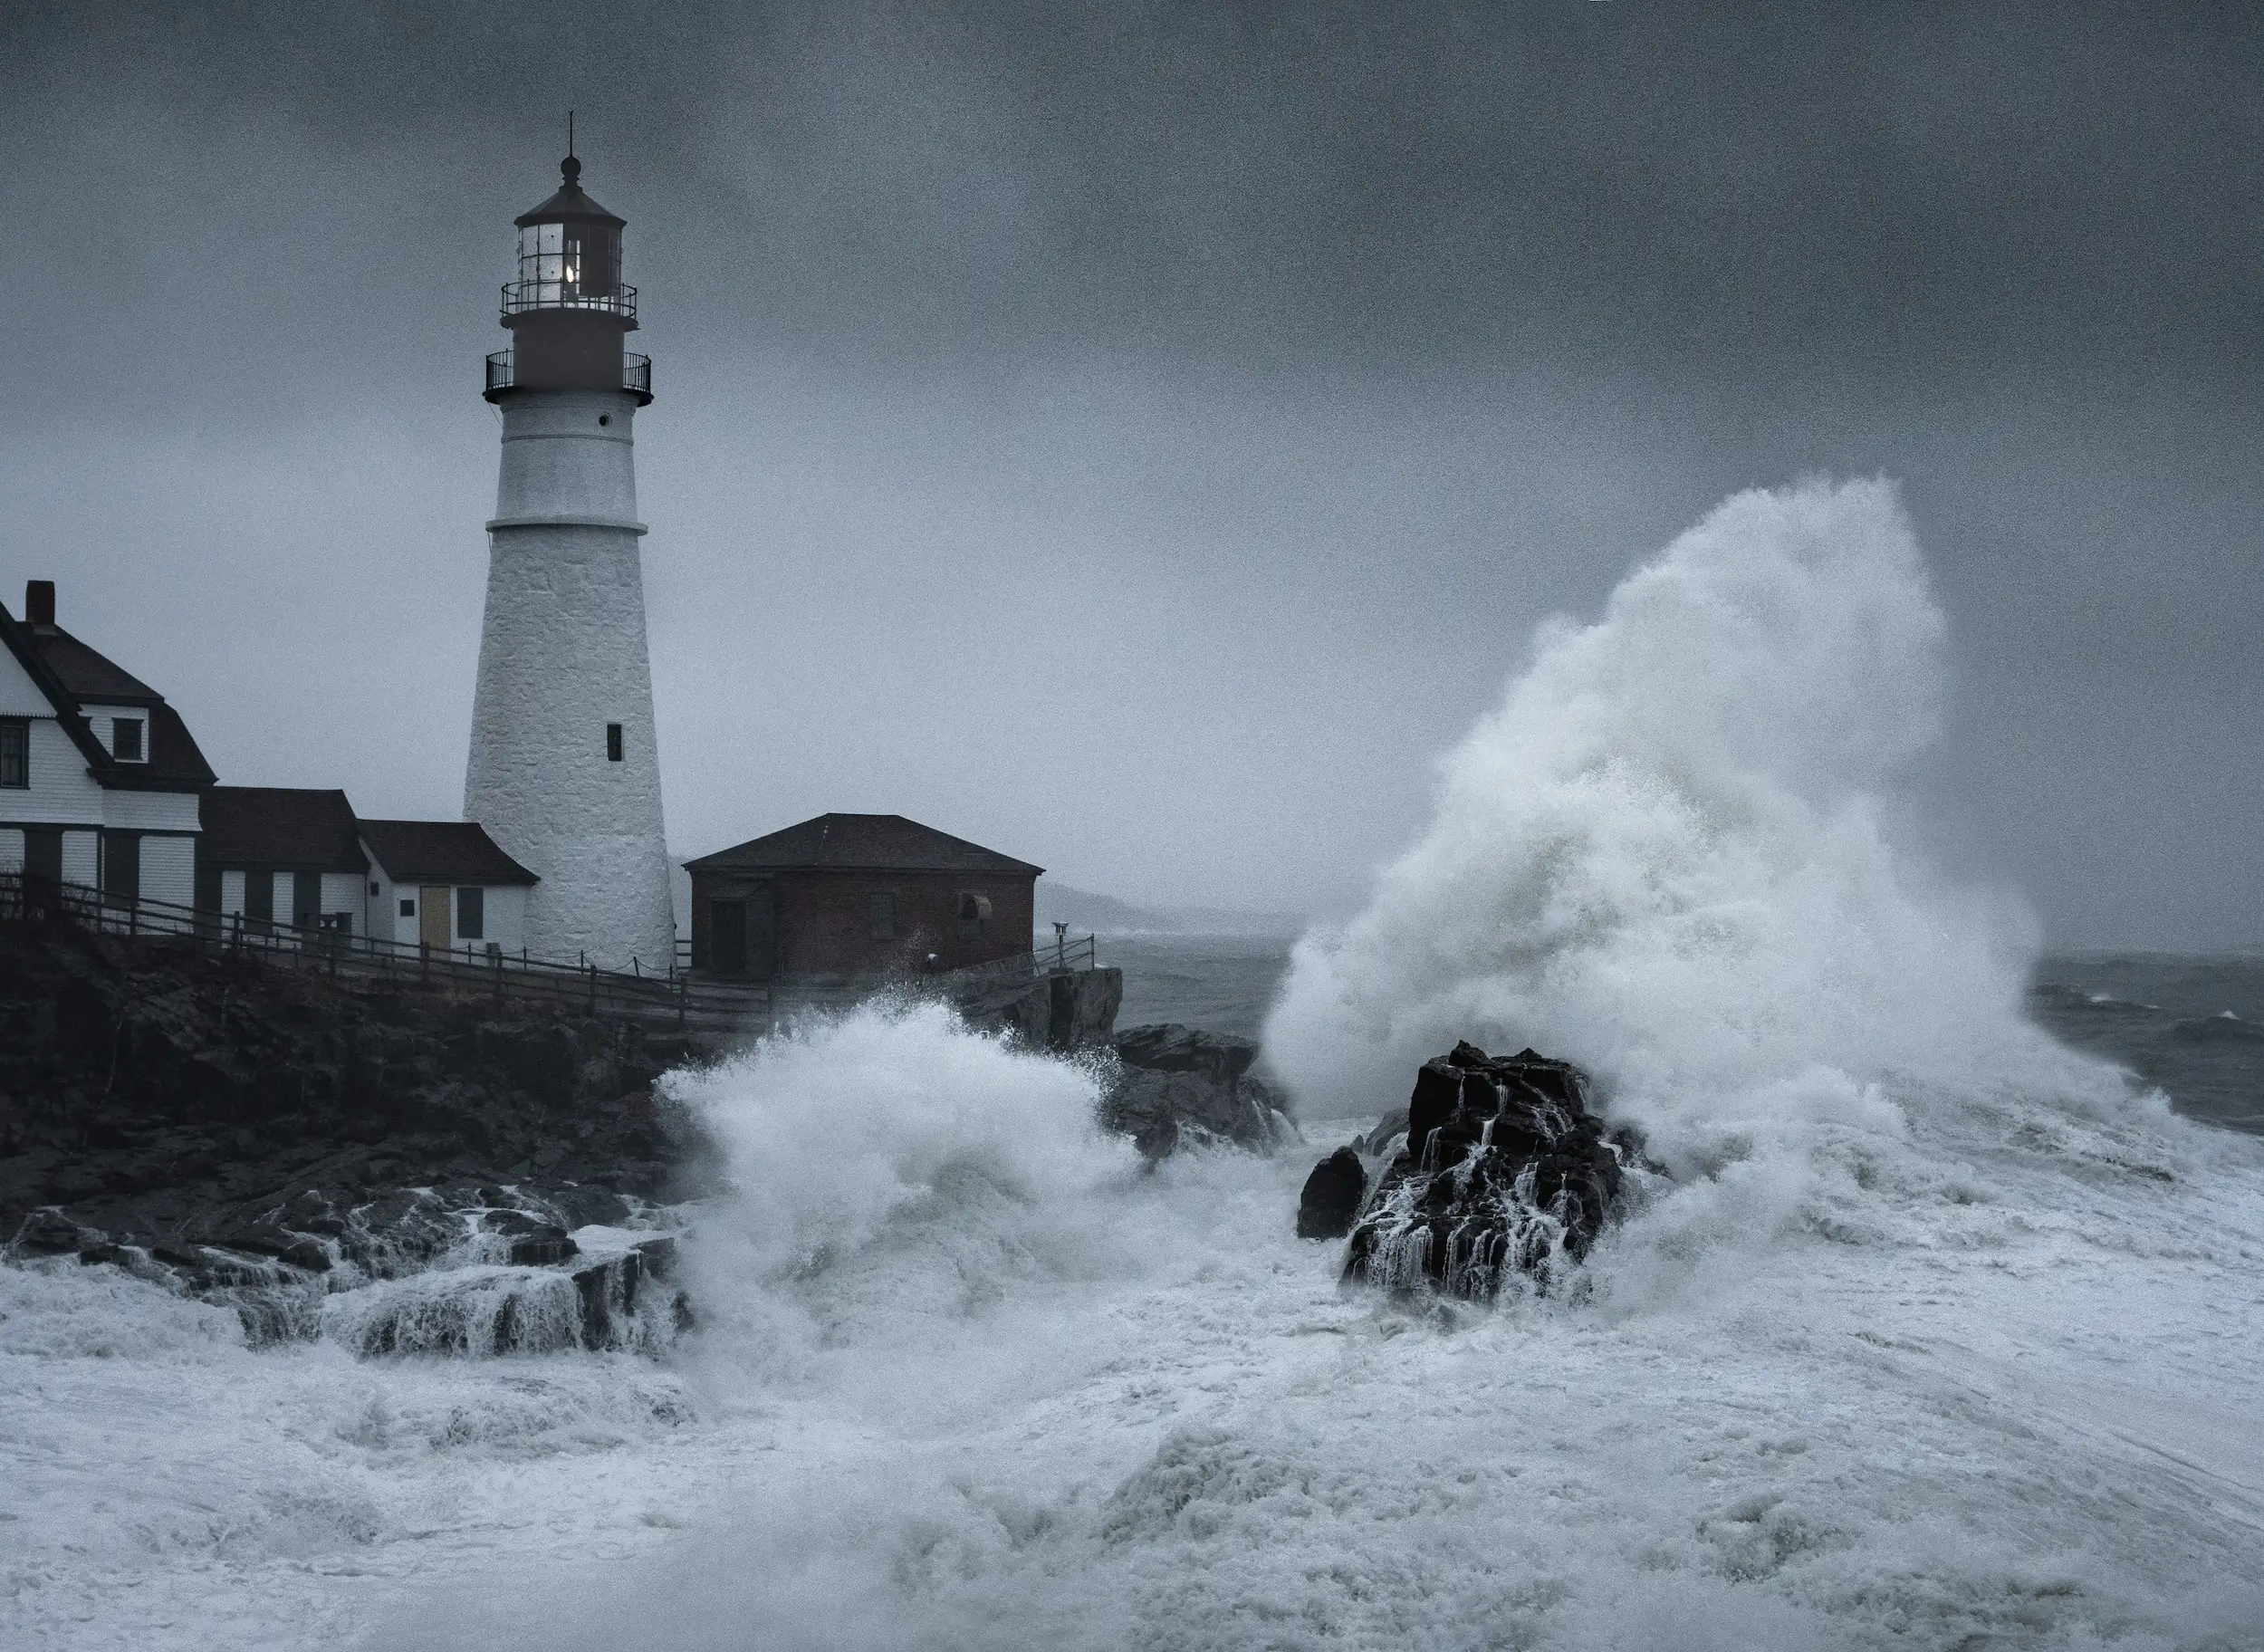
x=1941, y=1329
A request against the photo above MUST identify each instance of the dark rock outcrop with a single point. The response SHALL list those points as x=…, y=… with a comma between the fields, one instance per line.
x=160, y=1093
x=1505, y=1173
x=1175, y=1084
x=462, y=1269
x=1332, y=1196
x=398, y=1169
x=1070, y=1010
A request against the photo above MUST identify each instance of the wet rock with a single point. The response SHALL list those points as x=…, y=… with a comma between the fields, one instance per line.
x=1177, y=1084
x=1332, y=1194
x=152, y=1089
x=1505, y=1174
x=1392, y=1124
x=46, y=1233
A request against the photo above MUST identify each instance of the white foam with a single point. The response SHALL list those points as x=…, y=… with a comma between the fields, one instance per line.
x=1941, y=1337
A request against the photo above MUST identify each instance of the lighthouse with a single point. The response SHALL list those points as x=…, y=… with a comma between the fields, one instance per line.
x=564, y=771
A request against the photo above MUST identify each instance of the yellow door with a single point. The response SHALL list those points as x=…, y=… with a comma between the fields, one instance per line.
x=432, y=917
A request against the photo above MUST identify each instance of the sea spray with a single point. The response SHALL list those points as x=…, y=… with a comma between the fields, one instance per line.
x=987, y=1385
x=1667, y=857
x=890, y=1161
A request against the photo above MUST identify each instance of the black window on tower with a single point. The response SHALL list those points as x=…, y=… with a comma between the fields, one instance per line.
x=613, y=743
x=16, y=752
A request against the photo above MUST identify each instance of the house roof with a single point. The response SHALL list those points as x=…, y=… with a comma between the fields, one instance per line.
x=71, y=675
x=175, y=764
x=440, y=851
x=861, y=842
x=285, y=827
x=89, y=676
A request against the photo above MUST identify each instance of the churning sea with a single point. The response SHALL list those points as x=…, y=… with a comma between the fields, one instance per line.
x=1940, y=1326
x=2192, y=1026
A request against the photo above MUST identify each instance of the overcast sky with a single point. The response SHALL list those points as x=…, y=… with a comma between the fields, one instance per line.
x=1139, y=437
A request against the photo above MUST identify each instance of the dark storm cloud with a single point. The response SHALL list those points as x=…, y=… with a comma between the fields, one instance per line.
x=1277, y=366
x=1894, y=192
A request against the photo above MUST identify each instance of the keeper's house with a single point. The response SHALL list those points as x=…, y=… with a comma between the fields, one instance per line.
x=99, y=777
x=851, y=895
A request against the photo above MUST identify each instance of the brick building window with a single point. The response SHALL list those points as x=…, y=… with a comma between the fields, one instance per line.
x=16, y=752
x=974, y=915
x=883, y=915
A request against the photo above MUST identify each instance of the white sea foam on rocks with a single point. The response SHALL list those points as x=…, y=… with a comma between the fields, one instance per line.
x=1939, y=1336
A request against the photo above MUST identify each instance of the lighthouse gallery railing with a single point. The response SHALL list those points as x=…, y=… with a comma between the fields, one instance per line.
x=635, y=373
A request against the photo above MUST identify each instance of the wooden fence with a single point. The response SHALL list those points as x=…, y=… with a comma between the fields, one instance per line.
x=675, y=996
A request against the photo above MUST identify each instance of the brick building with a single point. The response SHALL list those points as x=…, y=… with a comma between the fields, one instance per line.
x=858, y=894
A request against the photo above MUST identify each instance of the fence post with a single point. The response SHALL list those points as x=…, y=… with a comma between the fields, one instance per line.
x=424, y=960
x=593, y=989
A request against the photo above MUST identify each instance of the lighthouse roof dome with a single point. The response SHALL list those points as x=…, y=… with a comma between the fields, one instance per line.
x=570, y=204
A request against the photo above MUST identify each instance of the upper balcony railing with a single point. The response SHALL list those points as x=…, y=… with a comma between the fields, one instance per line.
x=636, y=375
x=521, y=296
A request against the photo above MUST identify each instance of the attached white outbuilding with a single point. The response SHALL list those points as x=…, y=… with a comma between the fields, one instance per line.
x=444, y=884
x=282, y=855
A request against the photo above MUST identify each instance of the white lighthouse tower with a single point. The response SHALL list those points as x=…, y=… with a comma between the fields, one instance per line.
x=563, y=772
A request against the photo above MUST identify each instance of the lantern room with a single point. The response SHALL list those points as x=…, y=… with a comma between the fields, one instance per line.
x=568, y=307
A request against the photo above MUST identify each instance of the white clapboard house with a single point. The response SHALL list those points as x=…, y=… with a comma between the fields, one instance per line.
x=102, y=786
x=100, y=780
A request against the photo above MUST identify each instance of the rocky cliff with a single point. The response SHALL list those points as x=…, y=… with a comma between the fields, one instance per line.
x=160, y=1093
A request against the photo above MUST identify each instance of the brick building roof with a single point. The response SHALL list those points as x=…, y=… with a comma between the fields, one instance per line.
x=861, y=842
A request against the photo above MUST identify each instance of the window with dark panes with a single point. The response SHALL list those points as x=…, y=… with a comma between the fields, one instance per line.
x=16, y=752
x=613, y=743
x=471, y=915
x=126, y=739
x=259, y=899
x=974, y=915
x=121, y=867
x=884, y=913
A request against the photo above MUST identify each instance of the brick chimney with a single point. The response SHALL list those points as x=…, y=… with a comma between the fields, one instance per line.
x=39, y=602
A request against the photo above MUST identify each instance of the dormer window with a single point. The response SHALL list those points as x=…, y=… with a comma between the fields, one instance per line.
x=126, y=740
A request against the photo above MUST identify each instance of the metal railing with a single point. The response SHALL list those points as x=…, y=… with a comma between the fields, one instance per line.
x=635, y=373
x=1064, y=956
x=323, y=948
x=521, y=296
